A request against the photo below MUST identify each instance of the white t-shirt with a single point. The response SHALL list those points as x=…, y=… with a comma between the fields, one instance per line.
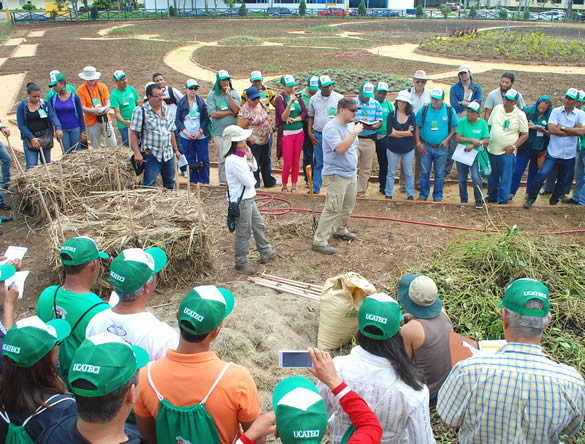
x=172, y=106
x=142, y=329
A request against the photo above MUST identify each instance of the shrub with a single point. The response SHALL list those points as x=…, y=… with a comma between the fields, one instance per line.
x=93, y=12
x=243, y=11
x=473, y=12
x=303, y=8
x=526, y=14
x=53, y=14
x=362, y=8
x=503, y=13
x=172, y=11
x=28, y=6
x=446, y=12
x=420, y=12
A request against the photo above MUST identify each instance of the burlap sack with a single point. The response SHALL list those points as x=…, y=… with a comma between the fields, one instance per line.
x=341, y=300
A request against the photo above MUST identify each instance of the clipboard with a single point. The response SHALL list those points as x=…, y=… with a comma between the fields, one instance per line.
x=458, y=351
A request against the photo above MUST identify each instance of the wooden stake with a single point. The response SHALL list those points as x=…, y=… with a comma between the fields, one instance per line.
x=56, y=207
x=176, y=174
x=62, y=147
x=300, y=284
x=117, y=175
x=62, y=185
x=14, y=156
x=46, y=208
x=46, y=166
x=131, y=218
x=200, y=211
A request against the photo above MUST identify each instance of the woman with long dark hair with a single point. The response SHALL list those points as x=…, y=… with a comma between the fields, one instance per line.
x=400, y=126
x=380, y=371
x=32, y=396
x=240, y=165
x=37, y=122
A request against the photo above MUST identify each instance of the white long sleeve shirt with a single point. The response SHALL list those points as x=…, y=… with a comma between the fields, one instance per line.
x=402, y=411
x=239, y=172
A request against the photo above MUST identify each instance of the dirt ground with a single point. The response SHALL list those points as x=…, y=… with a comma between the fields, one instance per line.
x=264, y=321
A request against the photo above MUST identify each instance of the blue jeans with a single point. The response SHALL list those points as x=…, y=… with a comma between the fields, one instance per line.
x=124, y=135
x=462, y=173
x=438, y=156
x=197, y=151
x=407, y=162
x=523, y=159
x=6, y=161
x=564, y=166
x=579, y=191
x=32, y=158
x=500, y=181
x=318, y=163
x=71, y=139
x=152, y=168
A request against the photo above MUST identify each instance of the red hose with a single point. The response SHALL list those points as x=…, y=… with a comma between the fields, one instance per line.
x=265, y=199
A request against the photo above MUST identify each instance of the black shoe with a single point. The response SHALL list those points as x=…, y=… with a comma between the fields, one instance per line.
x=410, y=198
x=5, y=219
x=5, y=206
x=529, y=202
x=570, y=201
x=491, y=201
x=552, y=201
x=546, y=193
x=388, y=197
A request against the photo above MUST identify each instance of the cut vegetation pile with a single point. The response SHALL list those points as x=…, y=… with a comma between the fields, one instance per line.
x=141, y=218
x=349, y=81
x=63, y=183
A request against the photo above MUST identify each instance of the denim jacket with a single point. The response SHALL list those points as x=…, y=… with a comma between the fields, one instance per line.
x=183, y=109
x=457, y=92
x=21, y=118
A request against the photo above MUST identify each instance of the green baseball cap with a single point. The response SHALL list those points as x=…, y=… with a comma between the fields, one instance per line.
x=313, y=83
x=190, y=83
x=572, y=93
x=6, y=271
x=107, y=361
x=581, y=95
x=519, y=292
x=325, y=80
x=301, y=415
x=367, y=89
x=204, y=308
x=30, y=339
x=222, y=74
x=474, y=106
x=134, y=267
x=512, y=94
x=119, y=74
x=381, y=311
x=81, y=250
x=255, y=75
x=54, y=77
x=288, y=80
x=437, y=93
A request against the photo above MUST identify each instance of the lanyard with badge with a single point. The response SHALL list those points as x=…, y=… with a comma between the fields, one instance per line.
x=42, y=113
x=194, y=112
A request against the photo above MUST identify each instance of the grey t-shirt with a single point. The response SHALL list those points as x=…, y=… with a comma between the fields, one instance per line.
x=220, y=102
x=323, y=109
x=344, y=165
x=495, y=98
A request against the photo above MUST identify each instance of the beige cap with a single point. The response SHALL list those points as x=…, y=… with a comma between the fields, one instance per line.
x=423, y=291
x=420, y=75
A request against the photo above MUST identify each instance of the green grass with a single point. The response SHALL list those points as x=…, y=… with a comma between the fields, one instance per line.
x=122, y=30
x=323, y=28
x=335, y=42
x=4, y=30
x=241, y=40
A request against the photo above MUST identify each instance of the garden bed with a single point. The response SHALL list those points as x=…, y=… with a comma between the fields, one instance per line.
x=522, y=47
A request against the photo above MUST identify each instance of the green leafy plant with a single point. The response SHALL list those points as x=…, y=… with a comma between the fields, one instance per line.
x=446, y=12
x=303, y=8
x=172, y=11
x=420, y=12
x=362, y=8
x=243, y=11
x=29, y=6
x=503, y=13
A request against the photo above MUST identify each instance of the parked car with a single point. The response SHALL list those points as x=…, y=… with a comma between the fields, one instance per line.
x=553, y=15
x=279, y=12
x=333, y=11
x=451, y=6
x=385, y=13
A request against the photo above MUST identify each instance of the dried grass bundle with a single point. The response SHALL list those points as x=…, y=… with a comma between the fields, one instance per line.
x=80, y=173
x=140, y=218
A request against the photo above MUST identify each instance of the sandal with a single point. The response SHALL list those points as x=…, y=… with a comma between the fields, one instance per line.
x=293, y=189
x=284, y=189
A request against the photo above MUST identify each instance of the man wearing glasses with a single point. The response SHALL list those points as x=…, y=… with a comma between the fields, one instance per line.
x=156, y=126
x=419, y=97
x=340, y=158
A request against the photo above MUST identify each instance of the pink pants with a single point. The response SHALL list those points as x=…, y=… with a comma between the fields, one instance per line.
x=292, y=146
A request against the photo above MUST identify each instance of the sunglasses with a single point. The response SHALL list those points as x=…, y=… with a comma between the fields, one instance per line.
x=353, y=110
x=257, y=98
x=194, y=88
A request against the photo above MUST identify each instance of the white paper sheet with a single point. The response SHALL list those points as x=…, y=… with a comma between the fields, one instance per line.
x=182, y=161
x=13, y=252
x=465, y=157
x=18, y=279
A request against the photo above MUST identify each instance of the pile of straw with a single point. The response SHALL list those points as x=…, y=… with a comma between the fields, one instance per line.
x=141, y=218
x=58, y=186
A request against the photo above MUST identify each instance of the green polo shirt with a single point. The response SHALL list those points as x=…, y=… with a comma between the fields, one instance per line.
x=387, y=108
x=125, y=101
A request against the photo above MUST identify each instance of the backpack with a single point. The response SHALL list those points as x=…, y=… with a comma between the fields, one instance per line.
x=449, y=115
x=17, y=434
x=185, y=424
x=172, y=100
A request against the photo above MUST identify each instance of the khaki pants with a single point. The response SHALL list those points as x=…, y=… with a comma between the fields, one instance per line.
x=339, y=203
x=95, y=133
x=366, y=152
x=250, y=220
x=218, y=141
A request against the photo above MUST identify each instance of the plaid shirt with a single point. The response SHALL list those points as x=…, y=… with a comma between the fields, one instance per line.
x=157, y=131
x=516, y=396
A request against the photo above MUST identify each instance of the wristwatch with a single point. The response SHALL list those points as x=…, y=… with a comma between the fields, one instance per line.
x=514, y=146
x=562, y=128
